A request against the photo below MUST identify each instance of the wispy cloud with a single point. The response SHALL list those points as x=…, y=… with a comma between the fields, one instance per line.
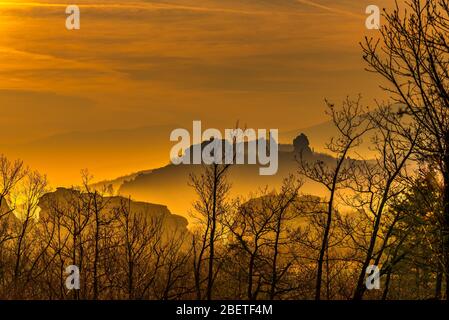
x=330, y=9
x=136, y=5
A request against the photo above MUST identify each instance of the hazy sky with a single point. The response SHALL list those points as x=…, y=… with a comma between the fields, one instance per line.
x=267, y=63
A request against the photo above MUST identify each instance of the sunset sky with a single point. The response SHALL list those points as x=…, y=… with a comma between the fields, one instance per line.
x=266, y=63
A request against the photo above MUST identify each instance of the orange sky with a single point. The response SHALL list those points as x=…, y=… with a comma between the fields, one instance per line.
x=266, y=63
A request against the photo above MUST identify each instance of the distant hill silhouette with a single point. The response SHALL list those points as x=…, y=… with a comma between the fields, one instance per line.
x=169, y=184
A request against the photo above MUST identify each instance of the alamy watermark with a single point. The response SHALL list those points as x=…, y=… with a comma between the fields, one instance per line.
x=373, y=279
x=72, y=282
x=73, y=21
x=236, y=147
x=372, y=22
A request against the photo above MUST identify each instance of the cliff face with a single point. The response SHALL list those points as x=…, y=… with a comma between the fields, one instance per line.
x=64, y=200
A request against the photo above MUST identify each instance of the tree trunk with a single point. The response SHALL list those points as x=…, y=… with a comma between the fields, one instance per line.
x=387, y=285
x=250, y=276
x=275, y=258
x=360, y=289
x=323, y=249
x=210, y=277
x=445, y=226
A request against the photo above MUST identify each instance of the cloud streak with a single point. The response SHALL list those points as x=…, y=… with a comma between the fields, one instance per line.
x=135, y=5
x=330, y=9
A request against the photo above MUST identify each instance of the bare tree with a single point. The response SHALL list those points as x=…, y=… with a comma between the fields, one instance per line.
x=11, y=173
x=139, y=236
x=25, y=202
x=258, y=229
x=352, y=123
x=412, y=54
x=287, y=208
x=377, y=183
x=212, y=188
